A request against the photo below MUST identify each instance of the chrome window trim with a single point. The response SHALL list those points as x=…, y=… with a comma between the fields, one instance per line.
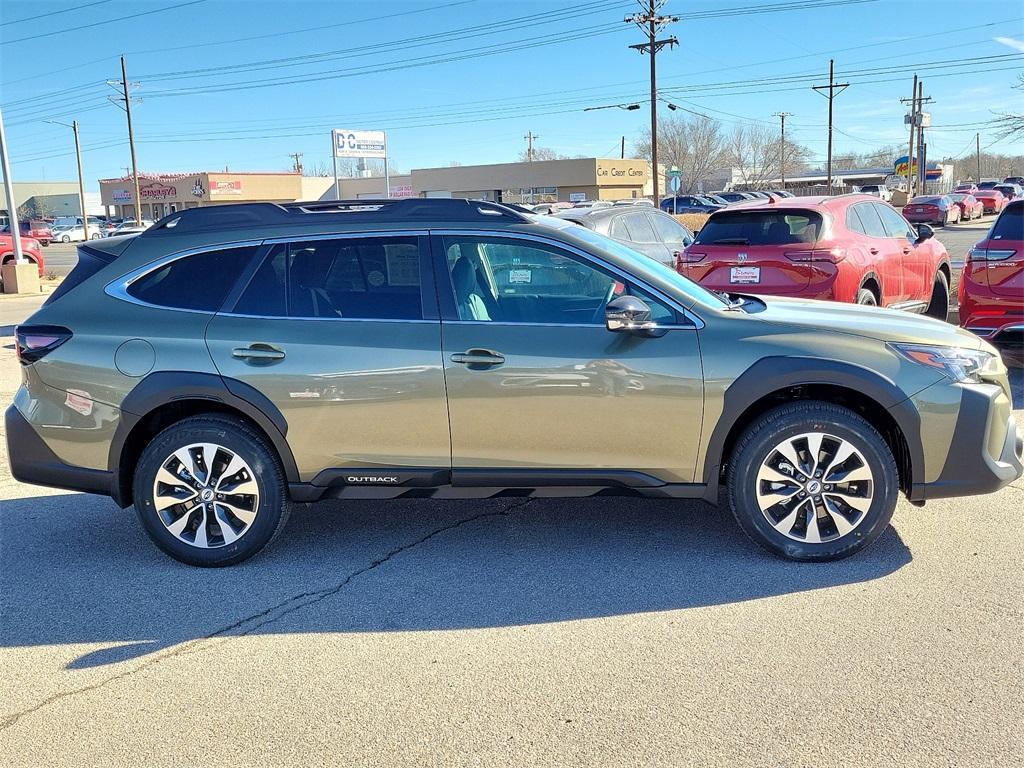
x=118, y=288
x=329, y=319
x=697, y=321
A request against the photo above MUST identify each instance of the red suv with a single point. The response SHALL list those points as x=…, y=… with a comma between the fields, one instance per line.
x=851, y=248
x=29, y=246
x=37, y=230
x=992, y=286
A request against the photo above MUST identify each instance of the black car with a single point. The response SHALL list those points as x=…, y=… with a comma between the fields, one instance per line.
x=689, y=204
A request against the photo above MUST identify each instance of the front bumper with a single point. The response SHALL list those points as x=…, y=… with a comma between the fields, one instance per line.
x=986, y=451
x=32, y=461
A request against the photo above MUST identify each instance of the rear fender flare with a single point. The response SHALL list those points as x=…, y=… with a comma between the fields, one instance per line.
x=163, y=387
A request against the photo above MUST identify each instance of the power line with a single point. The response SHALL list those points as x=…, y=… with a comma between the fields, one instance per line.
x=80, y=27
x=38, y=16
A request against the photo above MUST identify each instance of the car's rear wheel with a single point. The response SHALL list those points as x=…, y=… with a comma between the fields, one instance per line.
x=209, y=491
x=812, y=481
x=65, y=239
x=867, y=297
x=938, y=306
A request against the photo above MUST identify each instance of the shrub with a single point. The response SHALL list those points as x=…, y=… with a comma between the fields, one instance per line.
x=692, y=221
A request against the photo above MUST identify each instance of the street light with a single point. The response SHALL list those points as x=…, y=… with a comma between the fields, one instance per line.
x=627, y=107
x=81, y=183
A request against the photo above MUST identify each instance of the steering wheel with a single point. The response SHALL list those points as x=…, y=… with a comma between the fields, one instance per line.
x=609, y=295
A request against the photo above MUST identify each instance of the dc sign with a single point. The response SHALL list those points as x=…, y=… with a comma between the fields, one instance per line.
x=372, y=144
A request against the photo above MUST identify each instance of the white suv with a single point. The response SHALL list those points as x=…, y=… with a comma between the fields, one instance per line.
x=878, y=190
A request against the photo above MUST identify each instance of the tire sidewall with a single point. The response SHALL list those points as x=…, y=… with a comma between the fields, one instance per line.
x=769, y=433
x=235, y=438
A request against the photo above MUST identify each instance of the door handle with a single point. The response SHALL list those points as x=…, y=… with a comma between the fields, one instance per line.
x=258, y=352
x=906, y=251
x=478, y=357
x=873, y=251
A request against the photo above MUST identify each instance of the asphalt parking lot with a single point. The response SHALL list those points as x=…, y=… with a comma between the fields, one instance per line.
x=607, y=631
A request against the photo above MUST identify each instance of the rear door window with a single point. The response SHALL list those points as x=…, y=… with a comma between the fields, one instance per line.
x=199, y=282
x=871, y=224
x=671, y=232
x=373, y=278
x=639, y=228
x=776, y=227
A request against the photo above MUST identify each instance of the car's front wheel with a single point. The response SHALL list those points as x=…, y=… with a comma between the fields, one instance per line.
x=812, y=481
x=938, y=306
x=209, y=491
x=65, y=239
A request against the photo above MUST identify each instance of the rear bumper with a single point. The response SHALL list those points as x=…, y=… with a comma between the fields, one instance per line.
x=32, y=461
x=986, y=451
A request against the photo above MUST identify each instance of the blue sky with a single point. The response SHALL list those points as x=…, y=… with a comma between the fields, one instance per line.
x=530, y=65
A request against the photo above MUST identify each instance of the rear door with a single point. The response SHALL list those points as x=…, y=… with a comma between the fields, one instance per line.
x=635, y=229
x=756, y=251
x=343, y=336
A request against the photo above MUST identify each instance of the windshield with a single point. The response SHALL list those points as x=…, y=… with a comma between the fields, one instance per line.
x=643, y=266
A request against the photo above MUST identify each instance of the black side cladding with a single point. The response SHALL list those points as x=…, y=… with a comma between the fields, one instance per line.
x=90, y=261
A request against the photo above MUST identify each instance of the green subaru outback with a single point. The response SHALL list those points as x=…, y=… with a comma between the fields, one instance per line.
x=233, y=359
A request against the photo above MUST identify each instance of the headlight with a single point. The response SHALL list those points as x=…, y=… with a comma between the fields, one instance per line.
x=960, y=364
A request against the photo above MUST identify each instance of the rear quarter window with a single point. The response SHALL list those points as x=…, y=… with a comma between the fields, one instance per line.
x=199, y=282
x=760, y=227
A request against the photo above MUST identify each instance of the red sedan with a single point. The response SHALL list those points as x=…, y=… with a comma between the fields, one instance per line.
x=991, y=289
x=28, y=245
x=971, y=208
x=932, y=209
x=993, y=200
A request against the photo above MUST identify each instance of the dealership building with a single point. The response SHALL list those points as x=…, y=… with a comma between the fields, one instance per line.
x=528, y=182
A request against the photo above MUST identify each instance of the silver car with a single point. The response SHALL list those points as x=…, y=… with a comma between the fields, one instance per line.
x=643, y=228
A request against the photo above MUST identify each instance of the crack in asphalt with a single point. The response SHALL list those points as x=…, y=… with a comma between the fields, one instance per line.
x=274, y=613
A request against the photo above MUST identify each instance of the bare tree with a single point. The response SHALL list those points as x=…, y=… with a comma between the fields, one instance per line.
x=883, y=157
x=695, y=145
x=755, y=151
x=541, y=153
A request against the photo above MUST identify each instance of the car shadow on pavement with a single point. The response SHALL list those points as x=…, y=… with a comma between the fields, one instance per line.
x=1016, y=376
x=77, y=570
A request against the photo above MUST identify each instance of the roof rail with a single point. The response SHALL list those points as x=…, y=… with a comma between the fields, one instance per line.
x=412, y=207
x=242, y=215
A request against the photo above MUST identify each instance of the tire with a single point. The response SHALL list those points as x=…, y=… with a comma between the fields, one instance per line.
x=785, y=527
x=232, y=531
x=867, y=298
x=938, y=306
x=65, y=239
x=94, y=236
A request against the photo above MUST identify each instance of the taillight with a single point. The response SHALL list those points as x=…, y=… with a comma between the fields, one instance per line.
x=988, y=254
x=689, y=257
x=34, y=342
x=833, y=255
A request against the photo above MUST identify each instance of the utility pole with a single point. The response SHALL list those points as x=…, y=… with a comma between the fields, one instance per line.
x=782, y=145
x=297, y=156
x=977, y=153
x=12, y=205
x=81, y=180
x=125, y=102
x=622, y=150
x=834, y=89
x=910, y=146
x=651, y=22
x=529, y=145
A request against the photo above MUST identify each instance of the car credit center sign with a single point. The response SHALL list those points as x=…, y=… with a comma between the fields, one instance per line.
x=360, y=144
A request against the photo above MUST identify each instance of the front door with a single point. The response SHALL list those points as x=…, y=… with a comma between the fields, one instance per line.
x=340, y=335
x=538, y=387
x=916, y=257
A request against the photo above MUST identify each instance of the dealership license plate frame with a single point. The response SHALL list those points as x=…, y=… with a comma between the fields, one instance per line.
x=744, y=275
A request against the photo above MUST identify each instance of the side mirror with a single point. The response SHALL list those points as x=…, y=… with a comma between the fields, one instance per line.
x=924, y=232
x=628, y=314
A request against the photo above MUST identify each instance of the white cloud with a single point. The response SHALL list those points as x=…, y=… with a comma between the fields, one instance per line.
x=1017, y=45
